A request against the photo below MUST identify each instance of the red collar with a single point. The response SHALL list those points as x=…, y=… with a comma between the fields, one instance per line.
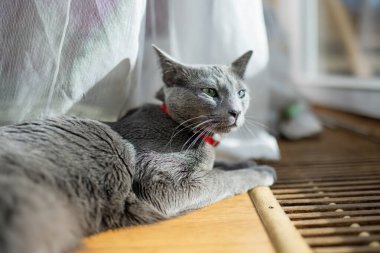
x=165, y=109
x=206, y=138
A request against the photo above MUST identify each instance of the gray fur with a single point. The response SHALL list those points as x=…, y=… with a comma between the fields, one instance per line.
x=65, y=178
x=62, y=179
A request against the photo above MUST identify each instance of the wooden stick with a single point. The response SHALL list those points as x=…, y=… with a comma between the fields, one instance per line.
x=284, y=236
x=357, y=60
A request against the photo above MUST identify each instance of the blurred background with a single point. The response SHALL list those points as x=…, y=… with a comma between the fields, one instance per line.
x=335, y=50
x=94, y=59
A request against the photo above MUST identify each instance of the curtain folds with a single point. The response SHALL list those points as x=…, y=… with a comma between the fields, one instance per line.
x=54, y=52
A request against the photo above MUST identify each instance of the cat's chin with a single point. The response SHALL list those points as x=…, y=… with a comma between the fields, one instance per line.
x=225, y=129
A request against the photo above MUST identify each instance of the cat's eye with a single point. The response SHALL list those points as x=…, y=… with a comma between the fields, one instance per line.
x=210, y=92
x=241, y=93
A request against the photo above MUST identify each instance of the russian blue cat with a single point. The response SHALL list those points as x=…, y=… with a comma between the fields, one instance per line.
x=65, y=178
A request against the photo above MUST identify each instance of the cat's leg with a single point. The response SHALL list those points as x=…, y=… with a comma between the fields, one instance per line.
x=173, y=188
x=231, y=165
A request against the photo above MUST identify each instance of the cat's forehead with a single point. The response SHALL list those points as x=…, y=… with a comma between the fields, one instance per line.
x=219, y=76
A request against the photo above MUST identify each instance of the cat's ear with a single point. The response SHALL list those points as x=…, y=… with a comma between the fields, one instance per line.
x=160, y=95
x=171, y=68
x=240, y=64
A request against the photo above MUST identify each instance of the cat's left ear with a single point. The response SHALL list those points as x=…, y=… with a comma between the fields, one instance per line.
x=240, y=64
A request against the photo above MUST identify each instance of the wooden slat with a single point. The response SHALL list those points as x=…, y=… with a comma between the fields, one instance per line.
x=328, y=194
x=334, y=176
x=315, y=215
x=332, y=183
x=278, y=192
x=338, y=230
x=341, y=240
x=329, y=160
x=328, y=177
x=360, y=249
x=282, y=233
x=337, y=221
x=309, y=208
x=329, y=200
x=331, y=169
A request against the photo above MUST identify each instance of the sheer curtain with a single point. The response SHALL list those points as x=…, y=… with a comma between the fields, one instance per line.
x=94, y=58
x=54, y=52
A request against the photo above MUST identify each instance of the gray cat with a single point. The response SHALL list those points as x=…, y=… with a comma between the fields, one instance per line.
x=65, y=178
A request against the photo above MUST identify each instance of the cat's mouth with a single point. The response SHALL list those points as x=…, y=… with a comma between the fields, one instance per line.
x=217, y=125
x=224, y=128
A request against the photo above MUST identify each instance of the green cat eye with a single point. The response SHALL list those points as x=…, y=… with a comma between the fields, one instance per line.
x=211, y=92
x=241, y=93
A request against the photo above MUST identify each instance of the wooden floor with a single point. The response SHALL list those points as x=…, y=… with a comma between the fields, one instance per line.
x=233, y=225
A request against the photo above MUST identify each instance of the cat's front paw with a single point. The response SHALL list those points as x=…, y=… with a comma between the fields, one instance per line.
x=228, y=165
x=246, y=164
x=246, y=179
x=268, y=175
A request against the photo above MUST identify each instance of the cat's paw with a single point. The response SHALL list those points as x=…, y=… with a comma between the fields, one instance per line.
x=268, y=175
x=246, y=179
x=247, y=164
x=228, y=165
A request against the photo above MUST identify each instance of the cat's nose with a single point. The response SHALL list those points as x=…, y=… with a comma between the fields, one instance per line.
x=234, y=113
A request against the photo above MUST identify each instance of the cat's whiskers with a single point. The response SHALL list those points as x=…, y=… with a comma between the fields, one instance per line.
x=190, y=120
x=253, y=125
x=208, y=132
x=254, y=121
x=256, y=124
x=196, y=131
x=194, y=141
x=204, y=132
x=249, y=131
x=246, y=131
x=175, y=132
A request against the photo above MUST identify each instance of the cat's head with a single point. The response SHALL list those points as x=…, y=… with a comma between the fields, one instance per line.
x=212, y=98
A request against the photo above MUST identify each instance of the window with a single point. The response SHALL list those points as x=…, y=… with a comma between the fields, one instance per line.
x=335, y=52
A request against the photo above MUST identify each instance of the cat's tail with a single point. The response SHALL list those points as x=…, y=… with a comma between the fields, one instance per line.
x=35, y=219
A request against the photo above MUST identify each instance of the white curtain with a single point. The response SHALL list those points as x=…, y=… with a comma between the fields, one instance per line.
x=93, y=58
x=54, y=52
